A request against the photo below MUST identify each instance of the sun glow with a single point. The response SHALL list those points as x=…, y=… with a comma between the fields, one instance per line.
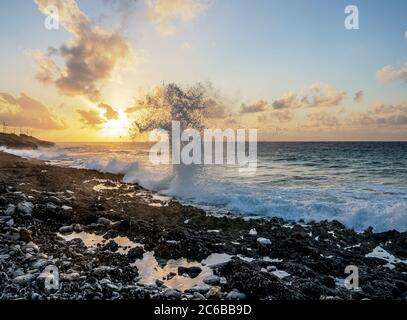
x=117, y=129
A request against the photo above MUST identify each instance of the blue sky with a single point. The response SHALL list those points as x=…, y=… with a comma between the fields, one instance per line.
x=249, y=50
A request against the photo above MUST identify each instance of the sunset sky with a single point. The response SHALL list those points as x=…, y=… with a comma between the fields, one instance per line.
x=288, y=68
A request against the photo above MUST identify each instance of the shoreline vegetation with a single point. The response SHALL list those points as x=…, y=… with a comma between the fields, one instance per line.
x=111, y=240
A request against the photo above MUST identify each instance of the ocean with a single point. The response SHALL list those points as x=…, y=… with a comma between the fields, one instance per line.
x=360, y=184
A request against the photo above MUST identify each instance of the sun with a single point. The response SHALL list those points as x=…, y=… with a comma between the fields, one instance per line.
x=117, y=129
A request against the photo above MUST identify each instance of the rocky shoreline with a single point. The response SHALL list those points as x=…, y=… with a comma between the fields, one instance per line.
x=22, y=141
x=79, y=234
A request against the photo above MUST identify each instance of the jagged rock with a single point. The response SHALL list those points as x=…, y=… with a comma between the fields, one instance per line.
x=3, y=201
x=25, y=235
x=111, y=246
x=192, y=272
x=3, y=188
x=135, y=253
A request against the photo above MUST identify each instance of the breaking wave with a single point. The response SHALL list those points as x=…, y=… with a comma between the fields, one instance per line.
x=312, y=189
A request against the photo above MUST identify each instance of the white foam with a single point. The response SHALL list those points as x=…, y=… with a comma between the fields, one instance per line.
x=382, y=254
x=220, y=189
x=281, y=274
x=150, y=271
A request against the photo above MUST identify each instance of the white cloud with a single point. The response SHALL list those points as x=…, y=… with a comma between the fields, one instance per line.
x=165, y=13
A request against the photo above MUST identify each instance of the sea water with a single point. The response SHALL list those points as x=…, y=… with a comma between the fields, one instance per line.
x=360, y=184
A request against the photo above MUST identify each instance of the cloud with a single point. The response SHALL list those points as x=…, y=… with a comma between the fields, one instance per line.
x=165, y=13
x=90, y=117
x=186, y=45
x=405, y=35
x=122, y=6
x=315, y=95
x=288, y=101
x=282, y=115
x=382, y=115
x=255, y=107
x=315, y=87
x=24, y=111
x=323, y=119
x=110, y=113
x=388, y=73
x=388, y=109
x=359, y=96
x=215, y=110
x=90, y=58
x=327, y=97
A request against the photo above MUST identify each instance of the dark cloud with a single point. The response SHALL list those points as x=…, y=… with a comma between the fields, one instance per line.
x=359, y=96
x=214, y=110
x=258, y=106
x=289, y=101
x=90, y=58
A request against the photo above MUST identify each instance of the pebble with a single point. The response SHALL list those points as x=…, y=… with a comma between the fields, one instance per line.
x=212, y=280
x=54, y=200
x=235, y=295
x=3, y=201
x=263, y=241
x=24, y=279
x=104, y=221
x=198, y=296
x=74, y=276
x=192, y=272
x=77, y=228
x=25, y=207
x=214, y=293
x=66, y=229
x=172, y=294
x=25, y=235
x=11, y=209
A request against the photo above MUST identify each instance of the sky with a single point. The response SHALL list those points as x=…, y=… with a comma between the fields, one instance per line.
x=288, y=68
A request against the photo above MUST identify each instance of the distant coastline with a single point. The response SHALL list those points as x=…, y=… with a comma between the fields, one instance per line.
x=23, y=141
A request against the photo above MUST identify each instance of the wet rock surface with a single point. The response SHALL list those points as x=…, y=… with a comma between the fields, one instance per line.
x=79, y=234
